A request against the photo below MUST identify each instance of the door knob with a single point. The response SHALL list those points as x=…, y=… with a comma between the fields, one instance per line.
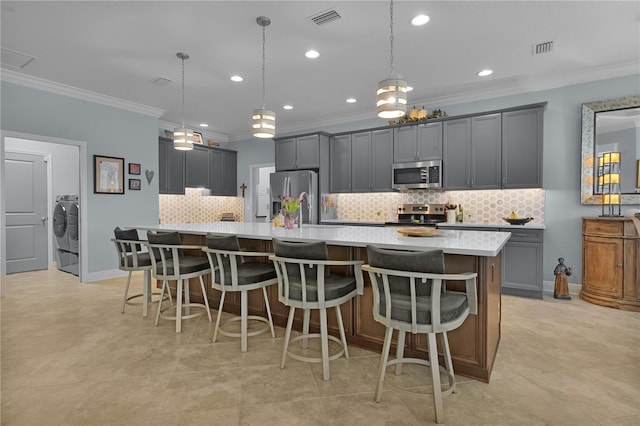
x=43, y=219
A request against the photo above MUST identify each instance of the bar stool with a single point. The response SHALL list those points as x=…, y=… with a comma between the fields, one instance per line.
x=171, y=264
x=408, y=295
x=232, y=273
x=299, y=286
x=131, y=258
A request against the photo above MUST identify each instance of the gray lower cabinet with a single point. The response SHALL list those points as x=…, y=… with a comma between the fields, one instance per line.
x=521, y=260
x=417, y=142
x=171, y=178
x=522, y=263
x=522, y=140
x=197, y=167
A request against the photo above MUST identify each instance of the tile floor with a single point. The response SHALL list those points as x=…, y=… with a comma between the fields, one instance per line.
x=69, y=357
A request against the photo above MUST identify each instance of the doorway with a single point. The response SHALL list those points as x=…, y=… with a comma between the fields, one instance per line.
x=260, y=192
x=66, y=162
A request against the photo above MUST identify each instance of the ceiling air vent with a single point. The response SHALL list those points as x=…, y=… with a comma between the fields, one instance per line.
x=15, y=59
x=161, y=81
x=325, y=17
x=540, y=48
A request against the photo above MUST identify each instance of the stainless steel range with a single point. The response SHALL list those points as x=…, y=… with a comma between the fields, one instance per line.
x=419, y=215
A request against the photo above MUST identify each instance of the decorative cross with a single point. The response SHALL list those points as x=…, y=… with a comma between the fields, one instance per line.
x=243, y=187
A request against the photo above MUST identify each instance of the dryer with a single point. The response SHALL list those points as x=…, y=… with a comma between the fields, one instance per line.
x=66, y=231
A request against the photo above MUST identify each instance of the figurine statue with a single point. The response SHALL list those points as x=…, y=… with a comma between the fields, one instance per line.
x=561, y=290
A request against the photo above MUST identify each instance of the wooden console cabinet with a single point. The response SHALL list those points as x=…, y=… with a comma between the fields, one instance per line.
x=610, y=262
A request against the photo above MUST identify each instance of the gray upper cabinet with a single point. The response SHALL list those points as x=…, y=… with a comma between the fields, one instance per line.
x=361, y=162
x=170, y=168
x=197, y=167
x=417, y=142
x=340, y=163
x=223, y=172
x=298, y=153
x=456, y=159
x=381, y=159
x=522, y=140
x=486, y=150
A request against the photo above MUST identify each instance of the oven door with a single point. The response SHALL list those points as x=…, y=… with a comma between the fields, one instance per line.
x=424, y=174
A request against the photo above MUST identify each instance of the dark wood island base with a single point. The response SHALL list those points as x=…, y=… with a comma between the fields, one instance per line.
x=473, y=345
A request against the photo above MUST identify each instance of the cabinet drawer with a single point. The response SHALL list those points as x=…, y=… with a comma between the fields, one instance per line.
x=603, y=227
x=524, y=235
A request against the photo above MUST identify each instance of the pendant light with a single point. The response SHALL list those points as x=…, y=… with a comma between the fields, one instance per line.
x=263, y=121
x=183, y=138
x=391, y=96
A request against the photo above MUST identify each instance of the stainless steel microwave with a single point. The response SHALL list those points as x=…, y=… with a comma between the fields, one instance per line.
x=420, y=175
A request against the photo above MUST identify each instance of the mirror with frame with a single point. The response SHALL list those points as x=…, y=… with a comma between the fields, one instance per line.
x=611, y=126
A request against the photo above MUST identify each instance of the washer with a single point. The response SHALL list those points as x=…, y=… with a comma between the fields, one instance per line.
x=66, y=231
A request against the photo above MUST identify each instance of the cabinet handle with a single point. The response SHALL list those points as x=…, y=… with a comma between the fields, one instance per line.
x=493, y=268
x=519, y=235
x=619, y=265
x=504, y=180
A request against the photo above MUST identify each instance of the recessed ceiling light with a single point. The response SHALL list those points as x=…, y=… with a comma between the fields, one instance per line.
x=311, y=54
x=287, y=107
x=419, y=20
x=409, y=88
x=236, y=78
x=485, y=73
x=352, y=100
x=204, y=125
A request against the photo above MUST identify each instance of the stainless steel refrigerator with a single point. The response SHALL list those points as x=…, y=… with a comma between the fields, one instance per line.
x=292, y=184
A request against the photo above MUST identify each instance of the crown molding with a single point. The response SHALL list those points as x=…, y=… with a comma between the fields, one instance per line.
x=208, y=134
x=74, y=92
x=524, y=85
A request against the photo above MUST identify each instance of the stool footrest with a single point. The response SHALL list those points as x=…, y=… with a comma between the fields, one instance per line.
x=426, y=363
x=249, y=334
x=184, y=305
x=315, y=359
x=142, y=303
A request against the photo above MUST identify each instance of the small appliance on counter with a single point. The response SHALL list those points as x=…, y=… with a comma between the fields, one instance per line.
x=419, y=215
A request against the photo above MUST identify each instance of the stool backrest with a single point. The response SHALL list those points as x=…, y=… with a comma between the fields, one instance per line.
x=301, y=250
x=408, y=291
x=130, y=255
x=168, y=238
x=127, y=234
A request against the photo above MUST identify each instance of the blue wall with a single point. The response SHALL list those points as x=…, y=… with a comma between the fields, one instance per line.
x=107, y=131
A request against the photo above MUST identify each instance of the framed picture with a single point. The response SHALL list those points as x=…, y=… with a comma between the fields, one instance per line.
x=134, y=168
x=134, y=184
x=198, y=138
x=638, y=174
x=108, y=175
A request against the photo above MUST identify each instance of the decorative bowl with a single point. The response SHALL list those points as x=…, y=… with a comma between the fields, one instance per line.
x=519, y=221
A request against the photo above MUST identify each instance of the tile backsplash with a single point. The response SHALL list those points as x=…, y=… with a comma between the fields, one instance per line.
x=488, y=206
x=193, y=207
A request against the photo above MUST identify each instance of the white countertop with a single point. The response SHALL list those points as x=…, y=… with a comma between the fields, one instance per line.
x=474, y=243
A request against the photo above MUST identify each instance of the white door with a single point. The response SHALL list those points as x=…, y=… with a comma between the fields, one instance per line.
x=26, y=212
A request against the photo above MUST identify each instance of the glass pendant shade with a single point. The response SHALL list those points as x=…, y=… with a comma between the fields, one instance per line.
x=263, y=123
x=183, y=139
x=391, y=98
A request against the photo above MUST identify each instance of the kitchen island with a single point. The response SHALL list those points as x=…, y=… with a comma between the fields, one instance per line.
x=473, y=345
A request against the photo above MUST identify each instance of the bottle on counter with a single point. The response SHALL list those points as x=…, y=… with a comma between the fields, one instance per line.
x=460, y=217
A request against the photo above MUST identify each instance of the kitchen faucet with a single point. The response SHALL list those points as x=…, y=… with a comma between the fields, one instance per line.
x=306, y=198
